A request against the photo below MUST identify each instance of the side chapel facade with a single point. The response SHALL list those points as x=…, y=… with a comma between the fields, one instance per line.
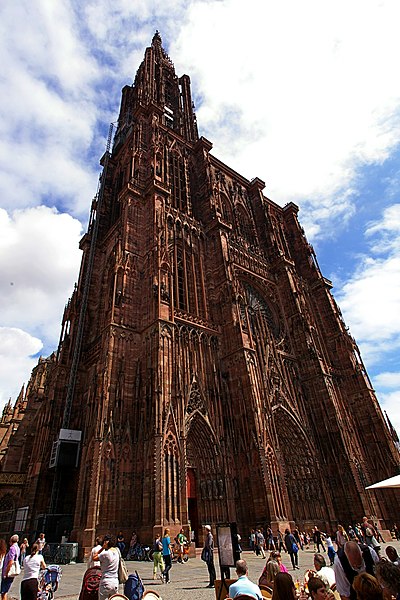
x=202, y=358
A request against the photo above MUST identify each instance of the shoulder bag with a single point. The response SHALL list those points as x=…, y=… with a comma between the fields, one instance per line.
x=122, y=570
x=15, y=569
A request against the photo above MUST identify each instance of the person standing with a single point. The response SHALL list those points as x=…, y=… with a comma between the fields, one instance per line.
x=351, y=560
x=95, y=550
x=108, y=555
x=182, y=540
x=158, y=558
x=41, y=542
x=167, y=554
x=121, y=542
x=209, y=548
x=32, y=565
x=23, y=550
x=252, y=540
x=11, y=557
x=341, y=537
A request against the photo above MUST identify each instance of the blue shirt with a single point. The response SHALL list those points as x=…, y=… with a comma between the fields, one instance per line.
x=165, y=545
x=244, y=586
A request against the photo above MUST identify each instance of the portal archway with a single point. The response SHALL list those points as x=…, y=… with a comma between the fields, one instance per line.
x=303, y=482
x=205, y=474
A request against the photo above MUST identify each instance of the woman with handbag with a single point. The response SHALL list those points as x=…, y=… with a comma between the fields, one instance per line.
x=32, y=565
x=11, y=566
x=158, y=558
x=292, y=548
x=109, y=556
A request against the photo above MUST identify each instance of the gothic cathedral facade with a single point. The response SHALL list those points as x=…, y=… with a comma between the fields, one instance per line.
x=204, y=369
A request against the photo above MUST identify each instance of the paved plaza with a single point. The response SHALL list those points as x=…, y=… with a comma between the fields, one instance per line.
x=188, y=581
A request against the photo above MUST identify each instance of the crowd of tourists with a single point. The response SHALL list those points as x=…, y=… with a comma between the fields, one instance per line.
x=21, y=555
x=262, y=539
x=356, y=569
x=349, y=564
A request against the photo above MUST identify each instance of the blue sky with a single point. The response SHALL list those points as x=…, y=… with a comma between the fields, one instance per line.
x=303, y=95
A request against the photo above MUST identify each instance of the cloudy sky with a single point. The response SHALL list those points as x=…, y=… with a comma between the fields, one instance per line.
x=304, y=95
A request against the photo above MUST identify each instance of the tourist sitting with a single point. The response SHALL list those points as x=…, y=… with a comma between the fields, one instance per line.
x=392, y=555
x=243, y=585
x=317, y=589
x=284, y=587
x=277, y=556
x=327, y=574
x=367, y=587
x=388, y=576
x=269, y=573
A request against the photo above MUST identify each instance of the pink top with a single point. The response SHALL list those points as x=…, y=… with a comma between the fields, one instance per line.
x=283, y=568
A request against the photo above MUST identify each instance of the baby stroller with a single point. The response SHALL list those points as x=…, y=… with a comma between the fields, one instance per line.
x=90, y=584
x=49, y=579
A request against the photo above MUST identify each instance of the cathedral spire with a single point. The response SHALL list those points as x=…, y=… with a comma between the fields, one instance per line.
x=156, y=84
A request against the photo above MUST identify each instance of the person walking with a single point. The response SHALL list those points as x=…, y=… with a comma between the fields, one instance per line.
x=11, y=561
x=260, y=543
x=32, y=565
x=158, y=558
x=208, y=550
x=167, y=554
x=292, y=548
x=3, y=552
x=317, y=537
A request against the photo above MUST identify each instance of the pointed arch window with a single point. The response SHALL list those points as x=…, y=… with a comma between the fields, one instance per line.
x=226, y=210
x=244, y=225
x=177, y=181
x=171, y=479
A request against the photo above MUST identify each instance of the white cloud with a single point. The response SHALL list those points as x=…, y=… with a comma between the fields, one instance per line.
x=387, y=386
x=313, y=98
x=370, y=302
x=16, y=349
x=387, y=380
x=39, y=265
x=390, y=402
x=301, y=95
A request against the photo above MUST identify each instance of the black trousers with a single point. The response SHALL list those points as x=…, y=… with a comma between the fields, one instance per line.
x=294, y=557
x=211, y=571
x=29, y=589
x=168, y=564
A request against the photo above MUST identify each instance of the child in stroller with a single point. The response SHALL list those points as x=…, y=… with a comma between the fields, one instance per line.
x=49, y=579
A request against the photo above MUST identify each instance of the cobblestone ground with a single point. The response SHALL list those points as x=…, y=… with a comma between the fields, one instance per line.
x=188, y=581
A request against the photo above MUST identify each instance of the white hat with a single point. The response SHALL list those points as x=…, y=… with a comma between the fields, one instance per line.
x=208, y=527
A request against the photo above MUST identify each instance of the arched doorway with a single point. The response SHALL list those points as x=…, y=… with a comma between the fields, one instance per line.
x=193, y=512
x=205, y=474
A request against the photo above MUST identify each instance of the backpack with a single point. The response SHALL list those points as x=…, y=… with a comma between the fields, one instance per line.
x=134, y=588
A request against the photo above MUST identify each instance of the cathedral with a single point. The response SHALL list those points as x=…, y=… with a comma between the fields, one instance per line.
x=204, y=373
